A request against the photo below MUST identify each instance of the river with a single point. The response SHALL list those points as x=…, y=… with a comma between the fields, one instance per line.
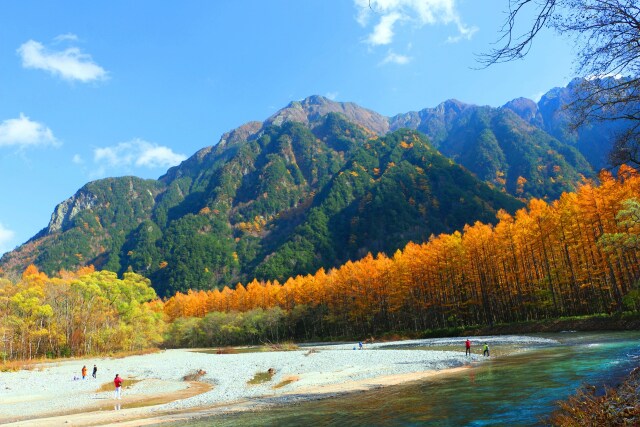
x=520, y=389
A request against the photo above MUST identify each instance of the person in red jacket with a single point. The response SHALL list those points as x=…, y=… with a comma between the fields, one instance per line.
x=84, y=372
x=117, y=381
x=467, y=346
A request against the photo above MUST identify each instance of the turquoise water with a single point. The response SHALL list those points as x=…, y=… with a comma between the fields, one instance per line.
x=518, y=390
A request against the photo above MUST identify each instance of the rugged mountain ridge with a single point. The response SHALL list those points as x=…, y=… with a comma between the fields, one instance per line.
x=288, y=201
x=500, y=147
x=314, y=185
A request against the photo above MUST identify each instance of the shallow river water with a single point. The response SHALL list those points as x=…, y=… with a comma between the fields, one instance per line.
x=516, y=390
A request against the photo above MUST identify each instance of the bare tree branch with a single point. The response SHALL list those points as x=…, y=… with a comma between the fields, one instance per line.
x=607, y=37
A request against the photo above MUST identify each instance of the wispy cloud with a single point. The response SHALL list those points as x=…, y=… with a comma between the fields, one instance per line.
x=332, y=95
x=464, y=33
x=135, y=153
x=24, y=132
x=65, y=37
x=388, y=13
x=6, y=239
x=69, y=64
x=537, y=97
x=395, y=58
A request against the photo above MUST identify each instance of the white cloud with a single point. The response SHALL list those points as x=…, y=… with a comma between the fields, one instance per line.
x=383, y=32
x=77, y=159
x=137, y=153
x=156, y=157
x=6, y=237
x=332, y=95
x=395, y=58
x=70, y=63
x=65, y=37
x=537, y=97
x=25, y=132
x=465, y=33
x=417, y=12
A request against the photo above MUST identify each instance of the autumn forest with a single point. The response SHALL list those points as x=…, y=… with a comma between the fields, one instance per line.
x=574, y=256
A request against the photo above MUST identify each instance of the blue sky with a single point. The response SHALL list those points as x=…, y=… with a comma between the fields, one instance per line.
x=96, y=89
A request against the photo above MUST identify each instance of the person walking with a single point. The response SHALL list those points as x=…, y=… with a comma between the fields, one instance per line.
x=95, y=371
x=117, y=381
x=84, y=371
x=485, y=351
x=467, y=346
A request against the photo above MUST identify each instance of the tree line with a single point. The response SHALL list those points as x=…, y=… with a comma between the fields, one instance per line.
x=575, y=256
x=85, y=312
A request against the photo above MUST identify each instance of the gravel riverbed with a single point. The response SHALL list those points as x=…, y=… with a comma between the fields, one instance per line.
x=50, y=388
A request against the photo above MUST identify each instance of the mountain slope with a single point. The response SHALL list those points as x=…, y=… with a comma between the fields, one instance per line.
x=593, y=140
x=317, y=183
x=500, y=147
x=289, y=200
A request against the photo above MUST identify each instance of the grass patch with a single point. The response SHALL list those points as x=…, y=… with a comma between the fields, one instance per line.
x=285, y=382
x=261, y=377
x=17, y=365
x=195, y=376
x=227, y=350
x=232, y=350
x=283, y=346
x=142, y=352
x=110, y=387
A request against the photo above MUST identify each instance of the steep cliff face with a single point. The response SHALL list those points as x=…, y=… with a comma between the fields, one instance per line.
x=64, y=213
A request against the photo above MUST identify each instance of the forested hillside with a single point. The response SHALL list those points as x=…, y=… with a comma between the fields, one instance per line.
x=578, y=255
x=288, y=202
x=316, y=184
x=502, y=148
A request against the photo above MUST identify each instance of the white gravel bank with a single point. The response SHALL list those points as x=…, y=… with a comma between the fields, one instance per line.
x=50, y=388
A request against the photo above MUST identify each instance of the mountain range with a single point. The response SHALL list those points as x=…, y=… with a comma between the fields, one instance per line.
x=316, y=184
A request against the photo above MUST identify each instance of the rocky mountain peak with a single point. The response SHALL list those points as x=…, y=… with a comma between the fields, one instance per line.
x=311, y=109
x=526, y=108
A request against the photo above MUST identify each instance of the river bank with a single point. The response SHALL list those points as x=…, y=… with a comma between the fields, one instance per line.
x=617, y=406
x=516, y=388
x=158, y=391
x=626, y=321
